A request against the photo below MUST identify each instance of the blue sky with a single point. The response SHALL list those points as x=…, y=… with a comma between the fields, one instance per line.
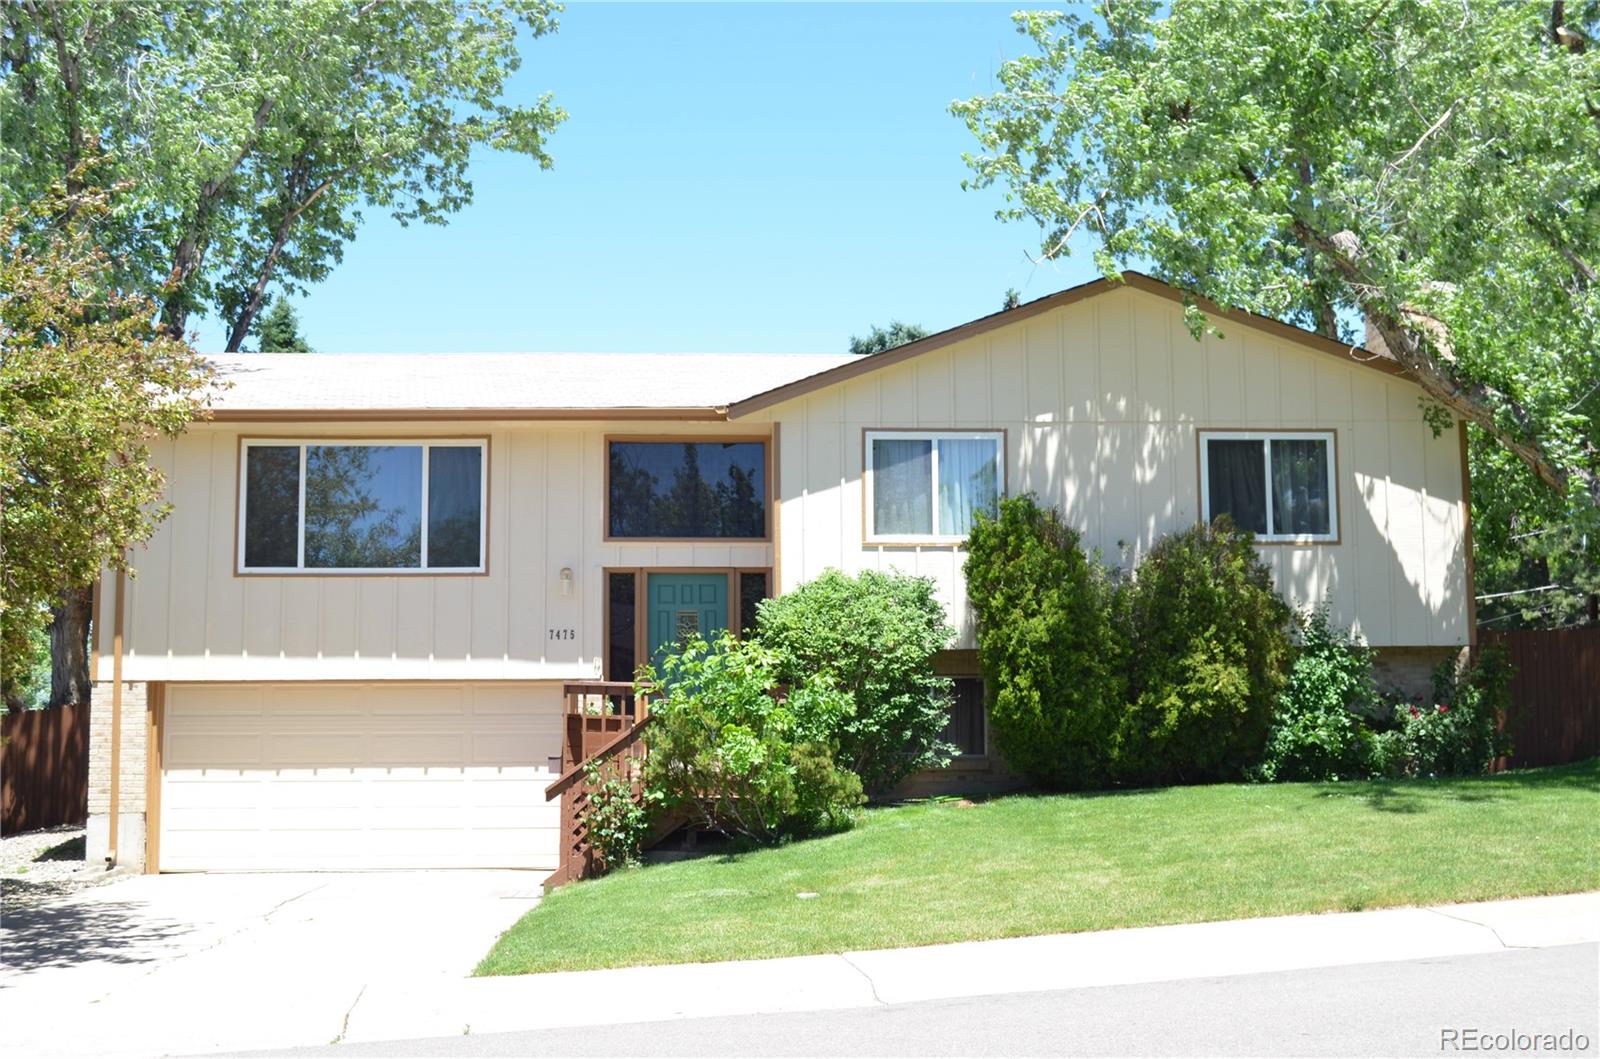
x=761, y=178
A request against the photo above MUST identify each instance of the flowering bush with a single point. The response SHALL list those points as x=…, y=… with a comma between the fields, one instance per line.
x=1456, y=734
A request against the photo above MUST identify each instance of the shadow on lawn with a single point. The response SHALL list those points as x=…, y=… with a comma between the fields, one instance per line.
x=1414, y=796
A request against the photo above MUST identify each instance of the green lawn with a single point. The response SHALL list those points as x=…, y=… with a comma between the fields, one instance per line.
x=939, y=872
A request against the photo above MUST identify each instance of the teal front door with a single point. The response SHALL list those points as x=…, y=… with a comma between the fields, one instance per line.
x=685, y=605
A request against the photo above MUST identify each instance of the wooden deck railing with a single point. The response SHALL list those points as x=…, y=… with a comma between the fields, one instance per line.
x=603, y=725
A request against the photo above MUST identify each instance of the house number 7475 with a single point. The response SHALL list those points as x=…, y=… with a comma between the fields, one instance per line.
x=563, y=634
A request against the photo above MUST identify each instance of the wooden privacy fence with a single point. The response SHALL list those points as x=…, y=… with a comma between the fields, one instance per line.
x=44, y=770
x=1555, y=694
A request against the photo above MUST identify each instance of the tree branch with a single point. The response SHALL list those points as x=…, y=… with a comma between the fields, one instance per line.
x=1420, y=343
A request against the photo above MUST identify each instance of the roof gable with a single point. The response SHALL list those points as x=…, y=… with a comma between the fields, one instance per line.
x=1380, y=361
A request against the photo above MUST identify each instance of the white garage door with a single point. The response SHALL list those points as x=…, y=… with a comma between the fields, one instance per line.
x=286, y=776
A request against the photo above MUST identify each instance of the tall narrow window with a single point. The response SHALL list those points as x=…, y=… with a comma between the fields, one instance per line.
x=1278, y=485
x=622, y=614
x=930, y=486
x=752, y=590
x=362, y=507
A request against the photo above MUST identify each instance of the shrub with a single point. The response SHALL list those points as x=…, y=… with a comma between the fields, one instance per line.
x=874, y=636
x=1457, y=734
x=1048, y=650
x=1209, y=644
x=617, y=821
x=1317, y=731
x=739, y=757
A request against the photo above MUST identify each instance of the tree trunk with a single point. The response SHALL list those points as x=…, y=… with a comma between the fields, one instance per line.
x=69, y=648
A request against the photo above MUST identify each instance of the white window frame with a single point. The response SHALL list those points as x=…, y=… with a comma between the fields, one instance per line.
x=303, y=444
x=933, y=436
x=1266, y=437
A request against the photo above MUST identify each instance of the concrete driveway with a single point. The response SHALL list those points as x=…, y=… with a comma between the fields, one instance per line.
x=180, y=964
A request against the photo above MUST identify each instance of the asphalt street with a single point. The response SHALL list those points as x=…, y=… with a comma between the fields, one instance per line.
x=1381, y=1009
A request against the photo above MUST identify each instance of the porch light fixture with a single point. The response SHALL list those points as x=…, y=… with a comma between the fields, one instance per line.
x=566, y=580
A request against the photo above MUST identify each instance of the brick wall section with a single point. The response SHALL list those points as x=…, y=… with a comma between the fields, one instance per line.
x=131, y=796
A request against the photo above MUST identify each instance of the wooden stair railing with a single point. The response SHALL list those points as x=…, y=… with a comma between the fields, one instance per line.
x=603, y=725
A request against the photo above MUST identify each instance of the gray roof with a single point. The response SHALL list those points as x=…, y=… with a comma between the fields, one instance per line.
x=368, y=384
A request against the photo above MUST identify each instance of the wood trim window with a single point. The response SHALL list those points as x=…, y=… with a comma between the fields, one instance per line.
x=926, y=486
x=1282, y=485
x=688, y=488
x=363, y=506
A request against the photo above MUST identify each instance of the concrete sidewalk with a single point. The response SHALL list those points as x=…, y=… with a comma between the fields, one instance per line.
x=397, y=1010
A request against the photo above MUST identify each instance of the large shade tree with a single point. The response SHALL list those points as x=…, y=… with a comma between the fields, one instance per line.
x=253, y=136
x=1432, y=168
x=87, y=380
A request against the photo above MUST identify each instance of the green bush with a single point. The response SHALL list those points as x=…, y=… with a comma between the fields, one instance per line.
x=617, y=821
x=1049, y=653
x=1317, y=726
x=1209, y=643
x=739, y=757
x=1457, y=734
x=875, y=637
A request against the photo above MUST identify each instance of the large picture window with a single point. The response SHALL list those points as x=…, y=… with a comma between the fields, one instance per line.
x=1279, y=485
x=929, y=486
x=686, y=490
x=362, y=506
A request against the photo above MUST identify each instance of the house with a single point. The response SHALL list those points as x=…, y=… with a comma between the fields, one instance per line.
x=346, y=647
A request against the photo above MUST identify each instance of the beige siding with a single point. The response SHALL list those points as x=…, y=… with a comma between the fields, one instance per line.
x=190, y=617
x=1101, y=401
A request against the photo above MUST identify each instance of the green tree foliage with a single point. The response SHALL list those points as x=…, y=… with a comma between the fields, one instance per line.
x=874, y=637
x=1051, y=658
x=880, y=339
x=278, y=330
x=1433, y=167
x=1318, y=730
x=1012, y=299
x=736, y=755
x=1208, y=642
x=87, y=381
x=257, y=133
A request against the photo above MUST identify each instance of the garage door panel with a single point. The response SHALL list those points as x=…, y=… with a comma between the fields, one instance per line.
x=306, y=748
x=213, y=750
x=386, y=777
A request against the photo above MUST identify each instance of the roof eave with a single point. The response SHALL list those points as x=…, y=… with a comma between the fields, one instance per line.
x=696, y=414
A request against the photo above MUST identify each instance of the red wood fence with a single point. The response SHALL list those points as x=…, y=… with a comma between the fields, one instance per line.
x=1555, y=694
x=44, y=768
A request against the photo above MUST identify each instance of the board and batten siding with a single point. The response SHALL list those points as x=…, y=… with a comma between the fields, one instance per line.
x=190, y=617
x=1101, y=401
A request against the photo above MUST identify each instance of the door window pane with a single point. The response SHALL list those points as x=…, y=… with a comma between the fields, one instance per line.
x=1236, y=480
x=455, y=509
x=687, y=489
x=902, y=487
x=363, y=506
x=272, y=506
x=969, y=482
x=1300, y=487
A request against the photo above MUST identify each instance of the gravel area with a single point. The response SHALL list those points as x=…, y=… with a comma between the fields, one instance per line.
x=36, y=866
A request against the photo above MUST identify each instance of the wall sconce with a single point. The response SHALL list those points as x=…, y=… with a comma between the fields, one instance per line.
x=566, y=580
